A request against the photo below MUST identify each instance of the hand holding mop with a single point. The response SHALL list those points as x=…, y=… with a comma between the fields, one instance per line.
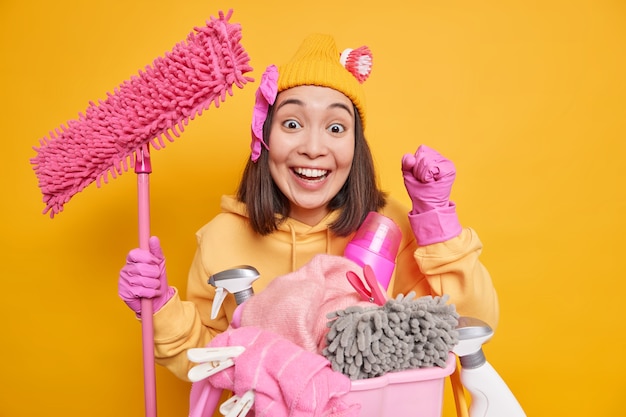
x=116, y=133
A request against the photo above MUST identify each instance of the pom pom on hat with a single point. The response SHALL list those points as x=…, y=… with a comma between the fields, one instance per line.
x=358, y=62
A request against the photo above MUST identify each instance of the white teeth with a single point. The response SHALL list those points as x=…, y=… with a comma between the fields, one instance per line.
x=311, y=173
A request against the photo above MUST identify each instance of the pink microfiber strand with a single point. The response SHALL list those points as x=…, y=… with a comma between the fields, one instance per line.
x=150, y=107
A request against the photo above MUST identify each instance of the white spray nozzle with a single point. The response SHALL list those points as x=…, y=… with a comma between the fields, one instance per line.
x=237, y=281
x=473, y=334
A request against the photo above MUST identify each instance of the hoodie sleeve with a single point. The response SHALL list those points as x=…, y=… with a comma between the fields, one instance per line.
x=182, y=325
x=452, y=267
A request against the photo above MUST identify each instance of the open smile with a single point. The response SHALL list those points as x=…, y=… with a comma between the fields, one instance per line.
x=311, y=174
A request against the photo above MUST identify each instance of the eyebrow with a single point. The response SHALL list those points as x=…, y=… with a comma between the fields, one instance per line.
x=299, y=102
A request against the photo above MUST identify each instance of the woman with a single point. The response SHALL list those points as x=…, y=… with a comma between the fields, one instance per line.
x=308, y=186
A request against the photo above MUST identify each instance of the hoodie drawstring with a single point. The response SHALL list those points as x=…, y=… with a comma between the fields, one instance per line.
x=293, y=247
x=294, y=252
x=328, y=241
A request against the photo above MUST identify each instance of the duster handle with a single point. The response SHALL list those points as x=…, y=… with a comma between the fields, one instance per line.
x=143, y=169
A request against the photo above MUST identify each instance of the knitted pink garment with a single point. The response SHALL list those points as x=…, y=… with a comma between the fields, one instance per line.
x=149, y=107
x=286, y=379
x=295, y=305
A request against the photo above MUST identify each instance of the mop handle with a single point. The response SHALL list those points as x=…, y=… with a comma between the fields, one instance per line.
x=143, y=169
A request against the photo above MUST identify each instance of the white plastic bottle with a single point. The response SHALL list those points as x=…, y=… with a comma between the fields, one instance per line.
x=491, y=397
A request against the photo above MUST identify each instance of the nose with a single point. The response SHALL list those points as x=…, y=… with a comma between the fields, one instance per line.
x=314, y=144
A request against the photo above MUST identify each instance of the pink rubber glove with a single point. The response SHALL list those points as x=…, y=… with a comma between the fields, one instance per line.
x=144, y=276
x=428, y=178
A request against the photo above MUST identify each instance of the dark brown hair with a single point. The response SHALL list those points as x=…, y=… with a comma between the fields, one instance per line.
x=267, y=206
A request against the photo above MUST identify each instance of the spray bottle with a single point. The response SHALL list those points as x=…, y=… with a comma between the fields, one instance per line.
x=491, y=396
x=376, y=244
x=237, y=281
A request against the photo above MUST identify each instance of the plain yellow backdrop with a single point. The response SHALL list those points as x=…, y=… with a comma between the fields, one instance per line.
x=527, y=98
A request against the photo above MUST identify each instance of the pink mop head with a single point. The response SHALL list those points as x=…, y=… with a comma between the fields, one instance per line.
x=144, y=110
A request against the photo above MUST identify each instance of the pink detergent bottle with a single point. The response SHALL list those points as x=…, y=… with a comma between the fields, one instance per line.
x=376, y=244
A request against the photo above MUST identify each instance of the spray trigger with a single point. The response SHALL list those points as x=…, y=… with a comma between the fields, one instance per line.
x=237, y=281
x=220, y=295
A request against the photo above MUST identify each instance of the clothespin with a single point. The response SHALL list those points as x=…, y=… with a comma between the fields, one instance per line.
x=212, y=360
x=238, y=406
x=372, y=292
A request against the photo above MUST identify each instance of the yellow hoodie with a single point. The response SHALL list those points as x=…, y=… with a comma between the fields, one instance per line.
x=227, y=241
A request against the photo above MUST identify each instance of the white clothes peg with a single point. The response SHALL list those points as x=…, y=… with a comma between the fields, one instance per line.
x=238, y=406
x=211, y=360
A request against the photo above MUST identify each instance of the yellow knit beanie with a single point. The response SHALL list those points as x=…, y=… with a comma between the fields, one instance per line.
x=318, y=62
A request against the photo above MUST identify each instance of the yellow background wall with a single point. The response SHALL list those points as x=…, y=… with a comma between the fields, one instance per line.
x=527, y=98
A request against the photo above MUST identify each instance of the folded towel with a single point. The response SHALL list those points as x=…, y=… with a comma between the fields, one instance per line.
x=287, y=380
x=295, y=305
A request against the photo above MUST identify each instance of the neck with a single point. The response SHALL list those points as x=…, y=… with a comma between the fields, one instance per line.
x=310, y=217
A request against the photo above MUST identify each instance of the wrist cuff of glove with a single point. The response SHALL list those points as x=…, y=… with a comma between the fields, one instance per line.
x=173, y=320
x=160, y=302
x=435, y=226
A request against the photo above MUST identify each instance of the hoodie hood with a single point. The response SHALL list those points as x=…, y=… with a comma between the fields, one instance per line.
x=297, y=234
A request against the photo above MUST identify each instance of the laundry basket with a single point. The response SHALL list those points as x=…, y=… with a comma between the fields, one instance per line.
x=414, y=392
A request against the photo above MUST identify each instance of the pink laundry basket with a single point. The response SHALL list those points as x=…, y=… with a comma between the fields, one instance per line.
x=415, y=392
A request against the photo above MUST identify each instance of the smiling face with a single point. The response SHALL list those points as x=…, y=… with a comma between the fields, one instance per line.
x=311, y=148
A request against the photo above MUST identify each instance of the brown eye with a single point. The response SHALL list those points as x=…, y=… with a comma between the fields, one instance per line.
x=336, y=128
x=291, y=124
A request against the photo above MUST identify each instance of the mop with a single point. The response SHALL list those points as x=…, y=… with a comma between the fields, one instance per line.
x=404, y=333
x=145, y=111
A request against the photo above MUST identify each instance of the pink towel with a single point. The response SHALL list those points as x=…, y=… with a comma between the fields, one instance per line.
x=287, y=380
x=295, y=305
